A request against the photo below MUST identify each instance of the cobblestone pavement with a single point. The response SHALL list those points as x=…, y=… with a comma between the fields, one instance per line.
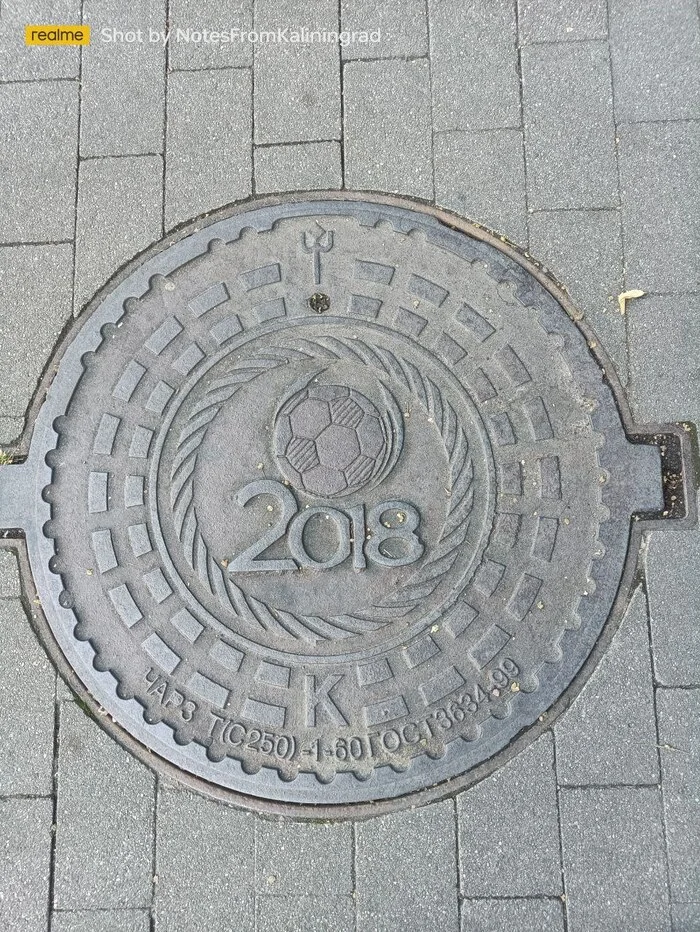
x=569, y=126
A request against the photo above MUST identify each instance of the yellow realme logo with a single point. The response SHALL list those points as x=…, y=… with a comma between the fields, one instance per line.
x=57, y=35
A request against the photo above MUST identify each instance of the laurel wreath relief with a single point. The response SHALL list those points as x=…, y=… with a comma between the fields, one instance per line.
x=420, y=585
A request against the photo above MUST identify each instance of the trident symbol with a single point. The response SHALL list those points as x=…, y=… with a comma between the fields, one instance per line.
x=322, y=242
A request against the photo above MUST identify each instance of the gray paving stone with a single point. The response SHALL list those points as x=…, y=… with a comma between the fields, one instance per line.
x=10, y=429
x=474, y=65
x=482, y=176
x=199, y=15
x=39, y=149
x=514, y=914
x=212, y=106
x=562, y=20
x=27, y=694
x=20, y=62
x=120, y=210
x=660, y=188
x=609, y=733
x=204, y=865
x=685, y=917
x=403, y=25
x=297, y=86
x=123, y=83
x=679, y=737
x=583, y=249
x=35, y=305
x=304, y=166
x=569, y=132
x=305, y=913
x=614, y=859
x=406, y=871
x=112, y=920
x=104, y=838
x=388, y=144
x=300, y=859
x=25, y=854
x=502, y=818
x=9, y=575
x=655, y=50
x=664, y=371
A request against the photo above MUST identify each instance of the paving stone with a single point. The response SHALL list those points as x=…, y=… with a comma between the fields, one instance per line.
x=39, y=148
x=199, y=178
x=482, y=176
x=297, y=86
x=299, y=859
x=27, y=694
x=403, y=25
x=569, y=132
x=655, y=50
x=609, y=733
x=513, y=812
x=123, y=84
x=474, y=65
x=9, y=575
x=562, y=20
x=112, y=920
x=204, y=863
x=25, y=856
x=304, y=166
x=10, y=429
x=660, y=188
x=104, y=839
x=120, y=208
x=685, y=917
x=306, y=913
x=679, y=737
x=388, y=145
x=514, y=914
x=664, y=366
x=406, y=871
x=199, y=15
x=583, y=249
x=614, y=859
x=35, y=305
x=20, y=62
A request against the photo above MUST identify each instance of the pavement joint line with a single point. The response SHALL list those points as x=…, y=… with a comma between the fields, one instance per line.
x=574, y=210
x=582, y=41
x=287, y=145
x=151, y=910
x=657, y=122
x=478, y=130
x=54, y=815
x=521, y=103
x=120, y=155
x=201, y=70
x=353, y=869
x=74, y=309
x=432, y=120
x=40, y=81
x=33, y=242
x=460, y=895
x=655, y=787
x=689, y=687
x=341, y=80
x=253, y=185
x=166, y=65
x=560, y=832
x=6, y=797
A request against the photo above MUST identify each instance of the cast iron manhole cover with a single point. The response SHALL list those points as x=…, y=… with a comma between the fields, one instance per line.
x=328, y=501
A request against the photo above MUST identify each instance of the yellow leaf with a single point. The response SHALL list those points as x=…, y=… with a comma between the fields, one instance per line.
x=626, y=295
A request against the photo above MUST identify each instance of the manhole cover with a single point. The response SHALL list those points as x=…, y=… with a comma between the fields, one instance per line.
x=328, y=501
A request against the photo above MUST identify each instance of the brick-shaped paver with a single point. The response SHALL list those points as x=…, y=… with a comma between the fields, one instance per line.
x=120, y=212
x=297, y=84
x=214, y=106
x=388, y=141
x=562, y=20
x=509, y=830
x=660, y=189
x=107, y=920
x=664, y=384
x=25, y=857
x=305, y=913
x=302, y=859
x=402, y=27
x=569, y=130
x=609, y=733
x=679, y=739
x=27, y=694
x=302, y=166
x=204, y=865
x=123, y=83
x=20, y=62
x=655, y=52
x=583, y=249
x=193, y=17
x=482, y=176
x=533, y=915
x=38, y=144
x=407, y=872
x=104, y=814
x=35, y=304
x=9, y=574
x=474, y=64
x=614, y=859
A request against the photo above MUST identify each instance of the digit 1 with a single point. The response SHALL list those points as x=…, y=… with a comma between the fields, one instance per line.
x=357, y=514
